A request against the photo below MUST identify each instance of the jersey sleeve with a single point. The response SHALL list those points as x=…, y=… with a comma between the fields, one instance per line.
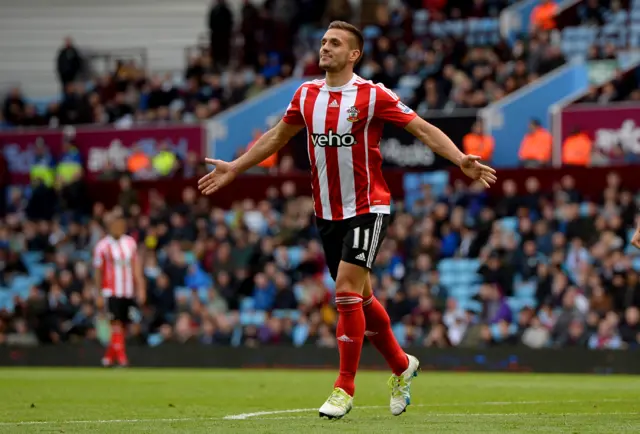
x=293, y=115
x=98, y=255
x=389, y=108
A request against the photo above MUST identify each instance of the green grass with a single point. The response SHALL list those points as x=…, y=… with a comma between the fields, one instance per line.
x=198, y=401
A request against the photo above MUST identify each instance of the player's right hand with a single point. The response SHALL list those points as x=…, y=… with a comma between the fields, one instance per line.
x=635, y=240
x=222, y=175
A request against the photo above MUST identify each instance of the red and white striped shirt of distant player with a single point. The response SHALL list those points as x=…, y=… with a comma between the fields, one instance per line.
x=344, y=128
x=116, y=259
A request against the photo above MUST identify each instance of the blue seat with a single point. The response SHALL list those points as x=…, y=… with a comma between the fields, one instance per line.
x=256, y=318
x=32, y=257
x=509, y=224
x=471, y=265
x=328, y=281
x=448, y=279
x=411, y=182
x=247, y=304
x=526, y=290
x=371, y=32
x=295, y=255
x=447, y=265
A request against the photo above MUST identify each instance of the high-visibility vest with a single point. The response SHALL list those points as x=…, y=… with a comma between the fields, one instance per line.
x=536, y=146
x=576, y=150
x=480, y=145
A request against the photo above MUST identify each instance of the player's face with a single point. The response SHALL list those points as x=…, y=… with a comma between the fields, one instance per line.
x=118, y=227
x=336, y=50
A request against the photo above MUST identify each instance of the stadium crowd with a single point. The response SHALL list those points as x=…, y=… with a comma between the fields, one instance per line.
x=456, y=68
x=255, y=275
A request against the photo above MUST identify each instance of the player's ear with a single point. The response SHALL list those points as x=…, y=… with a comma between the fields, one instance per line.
x=355, y=55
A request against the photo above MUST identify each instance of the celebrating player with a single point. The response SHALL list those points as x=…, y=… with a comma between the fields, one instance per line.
x=118, y=274
x=344, y=116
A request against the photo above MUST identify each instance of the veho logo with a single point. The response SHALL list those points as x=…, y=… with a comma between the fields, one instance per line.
x=333, y=140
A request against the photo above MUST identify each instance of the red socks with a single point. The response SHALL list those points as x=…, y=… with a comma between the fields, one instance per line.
x=116, y=348
x=381, y=336
x=350, y=335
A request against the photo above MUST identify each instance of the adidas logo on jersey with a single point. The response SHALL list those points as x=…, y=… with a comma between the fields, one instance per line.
x=361, y=257
x=334, y=104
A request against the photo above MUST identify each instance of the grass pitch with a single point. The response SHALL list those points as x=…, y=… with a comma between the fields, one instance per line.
x=251, y=401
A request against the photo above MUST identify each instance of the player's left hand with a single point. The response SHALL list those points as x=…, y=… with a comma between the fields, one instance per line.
x=472, y=167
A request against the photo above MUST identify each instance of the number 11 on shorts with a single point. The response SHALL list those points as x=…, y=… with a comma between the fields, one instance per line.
x=365, y=239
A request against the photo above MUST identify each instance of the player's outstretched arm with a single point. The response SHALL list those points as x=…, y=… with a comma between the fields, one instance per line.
x=441, y=144
x=225, y=172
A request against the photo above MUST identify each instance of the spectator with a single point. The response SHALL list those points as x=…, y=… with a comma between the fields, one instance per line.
x=478, y=143
x=576, y=149
x=543, y=15
x=535, y=149
x=220, y=32
x=69, y=63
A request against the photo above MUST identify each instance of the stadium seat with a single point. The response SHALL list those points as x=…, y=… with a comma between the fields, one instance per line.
x=526, y=289
x=247, y=304
x=32, y=257
x=509, y=224
x=371, y=32
x=328, y=281
x=447, y=265
x=256, y=318
x=295, y=255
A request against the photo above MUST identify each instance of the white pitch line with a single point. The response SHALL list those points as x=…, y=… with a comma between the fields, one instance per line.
x=478, y=414
x=243, y=416
x=256, y=415
x=106, y=421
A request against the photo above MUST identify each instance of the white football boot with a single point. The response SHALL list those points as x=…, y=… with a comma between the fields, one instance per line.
x=338, y=404
x=400, y=386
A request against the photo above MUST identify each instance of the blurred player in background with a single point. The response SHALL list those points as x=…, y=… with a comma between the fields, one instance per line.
x=118, y=275
x=344, y=116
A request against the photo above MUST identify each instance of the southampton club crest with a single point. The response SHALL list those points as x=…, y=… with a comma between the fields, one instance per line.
x=353, y=113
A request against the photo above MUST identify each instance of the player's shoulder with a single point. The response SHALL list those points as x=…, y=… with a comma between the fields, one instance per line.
x=102, y=243
x=317, y=83
x=130, y=240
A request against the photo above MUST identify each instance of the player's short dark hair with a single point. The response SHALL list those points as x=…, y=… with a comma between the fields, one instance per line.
x=357, y=34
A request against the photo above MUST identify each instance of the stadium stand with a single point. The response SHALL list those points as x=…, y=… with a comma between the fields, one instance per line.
x=457, y=268
x=433, y=58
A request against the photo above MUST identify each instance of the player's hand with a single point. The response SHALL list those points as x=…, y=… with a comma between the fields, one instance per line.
x=472, y=167
x=222, y=175
x=635, y=240
x=142, y=298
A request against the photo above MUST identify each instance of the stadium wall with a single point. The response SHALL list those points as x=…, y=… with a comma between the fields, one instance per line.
x=508, y=119
x=513, y=359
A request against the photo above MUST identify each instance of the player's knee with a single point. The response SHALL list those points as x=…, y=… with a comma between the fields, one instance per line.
x=351, y=278
x=348, y=284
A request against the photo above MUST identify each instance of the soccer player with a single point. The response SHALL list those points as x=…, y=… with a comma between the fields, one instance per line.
x=118, y=275
x=344, y=115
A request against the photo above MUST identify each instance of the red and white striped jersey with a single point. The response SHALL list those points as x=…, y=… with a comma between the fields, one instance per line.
x=344, y=128
x=116, y=259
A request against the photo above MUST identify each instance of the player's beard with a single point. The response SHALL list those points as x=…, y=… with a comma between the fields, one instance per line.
x=332, y=65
